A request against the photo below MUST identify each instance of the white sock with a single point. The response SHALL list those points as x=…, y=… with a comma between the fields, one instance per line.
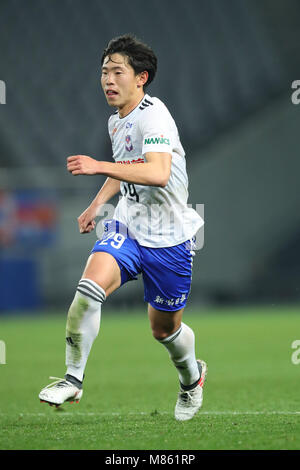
x=181, y=347
x=83, y=324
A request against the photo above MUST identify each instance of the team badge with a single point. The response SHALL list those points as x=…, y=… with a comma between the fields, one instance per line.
x=128, y=143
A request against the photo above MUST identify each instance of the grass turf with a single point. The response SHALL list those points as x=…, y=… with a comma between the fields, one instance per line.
x=251, y=398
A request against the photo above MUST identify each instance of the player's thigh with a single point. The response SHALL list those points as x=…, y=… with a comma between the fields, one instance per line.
x=103, y=269
x=164, y=323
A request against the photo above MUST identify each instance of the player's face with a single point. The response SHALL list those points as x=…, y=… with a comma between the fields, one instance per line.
x=118, y=80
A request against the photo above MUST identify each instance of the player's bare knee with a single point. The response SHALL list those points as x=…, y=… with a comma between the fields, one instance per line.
x=160, y=334
x=103, y=269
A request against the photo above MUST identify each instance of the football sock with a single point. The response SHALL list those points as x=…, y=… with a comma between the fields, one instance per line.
x=181, y=348
x=83, y=324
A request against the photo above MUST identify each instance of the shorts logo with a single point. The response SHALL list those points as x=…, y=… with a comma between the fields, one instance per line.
x=170, y=302
x=157, y=140
x=128, y=144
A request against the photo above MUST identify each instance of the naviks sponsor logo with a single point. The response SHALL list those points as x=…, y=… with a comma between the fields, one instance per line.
x=157, y=140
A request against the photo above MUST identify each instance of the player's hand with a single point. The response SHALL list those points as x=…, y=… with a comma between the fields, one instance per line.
x=82, y=165
x=86, y=221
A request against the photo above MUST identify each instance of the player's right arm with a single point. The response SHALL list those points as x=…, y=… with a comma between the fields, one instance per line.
x=86, y=221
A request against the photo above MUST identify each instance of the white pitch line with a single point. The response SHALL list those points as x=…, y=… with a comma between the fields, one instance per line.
x=143, y=413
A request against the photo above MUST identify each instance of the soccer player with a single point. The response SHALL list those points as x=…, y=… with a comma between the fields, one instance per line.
x=151, y=232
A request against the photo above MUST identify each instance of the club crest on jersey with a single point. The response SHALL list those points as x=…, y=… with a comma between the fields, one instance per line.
x=128, y=143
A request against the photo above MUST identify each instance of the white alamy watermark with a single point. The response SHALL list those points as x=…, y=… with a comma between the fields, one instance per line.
x=2, y=92
x=295, y=358
x=152, y=222
x=295, y=96
x=2, y=352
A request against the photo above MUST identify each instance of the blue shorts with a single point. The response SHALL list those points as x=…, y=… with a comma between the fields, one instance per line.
x=167, y=272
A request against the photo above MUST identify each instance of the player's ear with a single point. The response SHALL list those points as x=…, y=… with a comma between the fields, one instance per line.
x=142, y=78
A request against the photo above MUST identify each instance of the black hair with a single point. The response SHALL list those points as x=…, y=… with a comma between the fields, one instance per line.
x=140, y=56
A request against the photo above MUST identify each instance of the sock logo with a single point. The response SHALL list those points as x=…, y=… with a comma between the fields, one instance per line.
x=70, y=341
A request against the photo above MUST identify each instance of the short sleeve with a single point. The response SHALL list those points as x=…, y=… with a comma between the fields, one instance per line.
x=156, y=130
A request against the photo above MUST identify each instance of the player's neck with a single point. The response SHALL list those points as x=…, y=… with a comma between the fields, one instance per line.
x=128, y=107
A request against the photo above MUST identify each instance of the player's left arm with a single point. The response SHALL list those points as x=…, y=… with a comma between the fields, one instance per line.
x=154, y=172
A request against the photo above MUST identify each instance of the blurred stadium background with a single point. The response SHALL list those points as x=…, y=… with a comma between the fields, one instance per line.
x=225, y=72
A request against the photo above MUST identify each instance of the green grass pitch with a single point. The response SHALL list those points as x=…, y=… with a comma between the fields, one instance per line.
x=251, y=397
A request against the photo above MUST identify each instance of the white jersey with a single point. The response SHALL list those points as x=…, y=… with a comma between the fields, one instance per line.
x=156, y=217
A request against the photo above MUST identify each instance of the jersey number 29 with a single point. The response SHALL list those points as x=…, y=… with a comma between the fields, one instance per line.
x=130, y=192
